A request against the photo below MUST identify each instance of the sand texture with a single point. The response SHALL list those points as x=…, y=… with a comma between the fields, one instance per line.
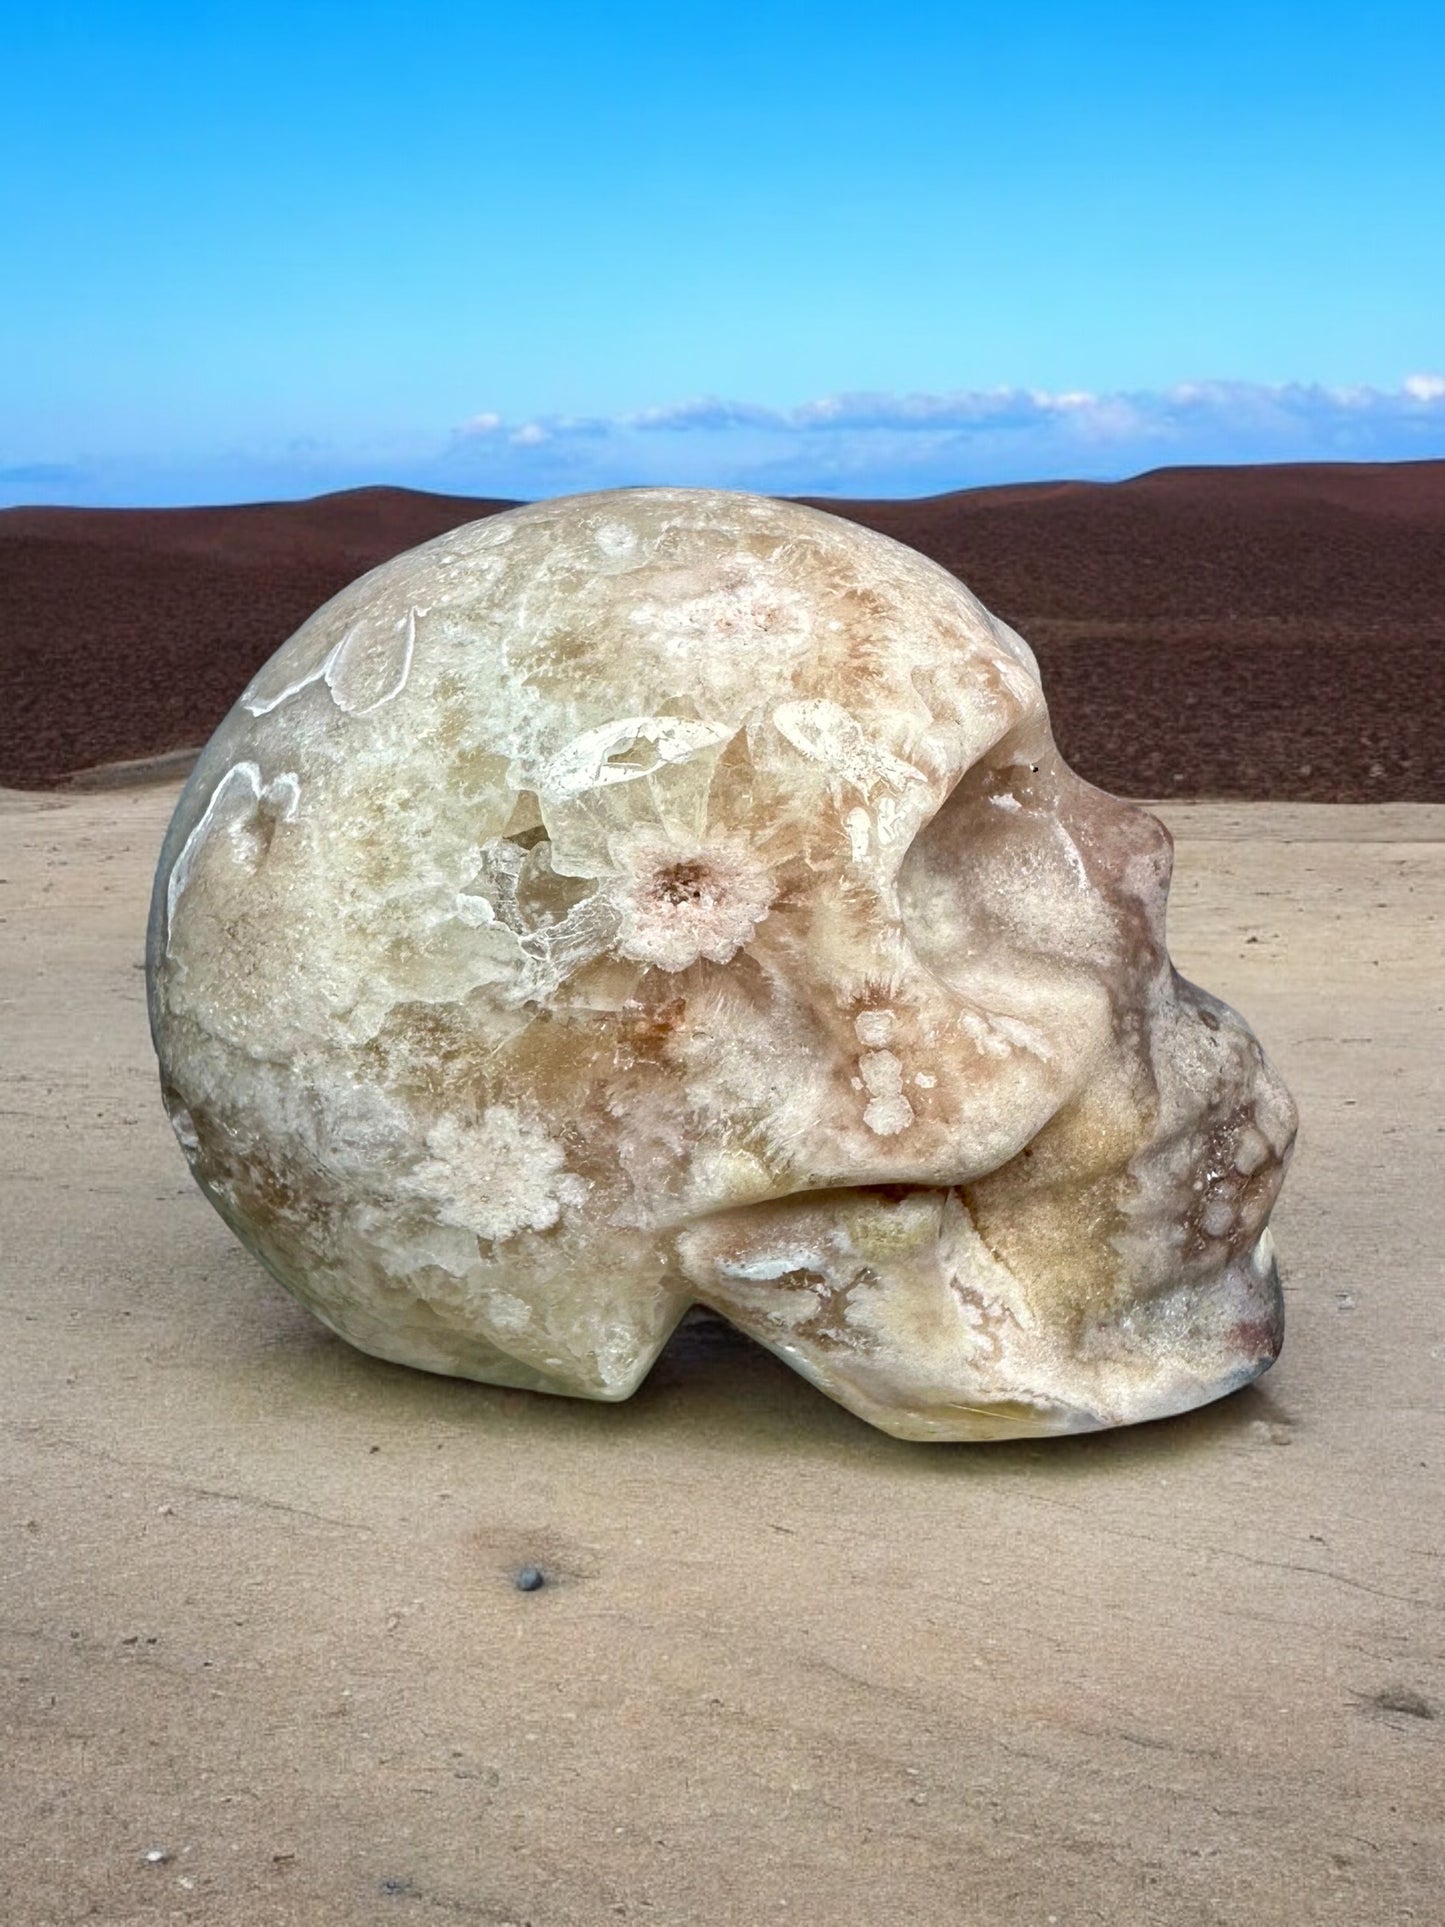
x=258, y=1606
x=1251, y=632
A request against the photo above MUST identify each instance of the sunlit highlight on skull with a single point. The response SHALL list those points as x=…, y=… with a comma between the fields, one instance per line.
x=666, y=897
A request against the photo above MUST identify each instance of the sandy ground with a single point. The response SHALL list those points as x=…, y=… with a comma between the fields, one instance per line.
x=264, y=1661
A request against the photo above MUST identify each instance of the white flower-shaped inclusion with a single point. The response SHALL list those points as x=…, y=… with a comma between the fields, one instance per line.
x=679, y=901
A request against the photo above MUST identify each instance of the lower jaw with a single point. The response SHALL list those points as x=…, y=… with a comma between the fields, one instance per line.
x=1183, y=1349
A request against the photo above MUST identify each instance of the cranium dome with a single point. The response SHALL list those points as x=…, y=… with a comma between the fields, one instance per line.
x=666, y=897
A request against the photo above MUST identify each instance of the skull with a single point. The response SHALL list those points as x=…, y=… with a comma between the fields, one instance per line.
x=668, y=897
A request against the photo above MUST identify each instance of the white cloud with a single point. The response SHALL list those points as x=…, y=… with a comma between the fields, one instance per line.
x=851, y=443
x=708, y=412
x=916, y=443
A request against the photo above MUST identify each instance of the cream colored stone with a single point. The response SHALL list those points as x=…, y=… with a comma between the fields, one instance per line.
x=671, y=896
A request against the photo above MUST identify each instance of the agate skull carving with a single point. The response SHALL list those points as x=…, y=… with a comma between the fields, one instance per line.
x=668, y=897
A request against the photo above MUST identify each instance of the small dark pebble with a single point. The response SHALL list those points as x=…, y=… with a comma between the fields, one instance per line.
x=530, y=1579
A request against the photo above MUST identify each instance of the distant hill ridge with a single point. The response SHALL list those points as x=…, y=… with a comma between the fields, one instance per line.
x=1258, y=631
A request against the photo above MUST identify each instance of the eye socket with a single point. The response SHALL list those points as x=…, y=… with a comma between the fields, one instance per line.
x=1027, y=871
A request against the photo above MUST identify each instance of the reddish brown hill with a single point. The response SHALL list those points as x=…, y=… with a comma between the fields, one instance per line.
x=1228, y=631
x=1270, y=631
x=127, y=632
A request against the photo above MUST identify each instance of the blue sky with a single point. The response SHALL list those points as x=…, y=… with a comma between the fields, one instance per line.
x=256, y=249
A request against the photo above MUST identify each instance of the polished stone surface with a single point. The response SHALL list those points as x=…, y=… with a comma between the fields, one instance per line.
x=672, y=896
